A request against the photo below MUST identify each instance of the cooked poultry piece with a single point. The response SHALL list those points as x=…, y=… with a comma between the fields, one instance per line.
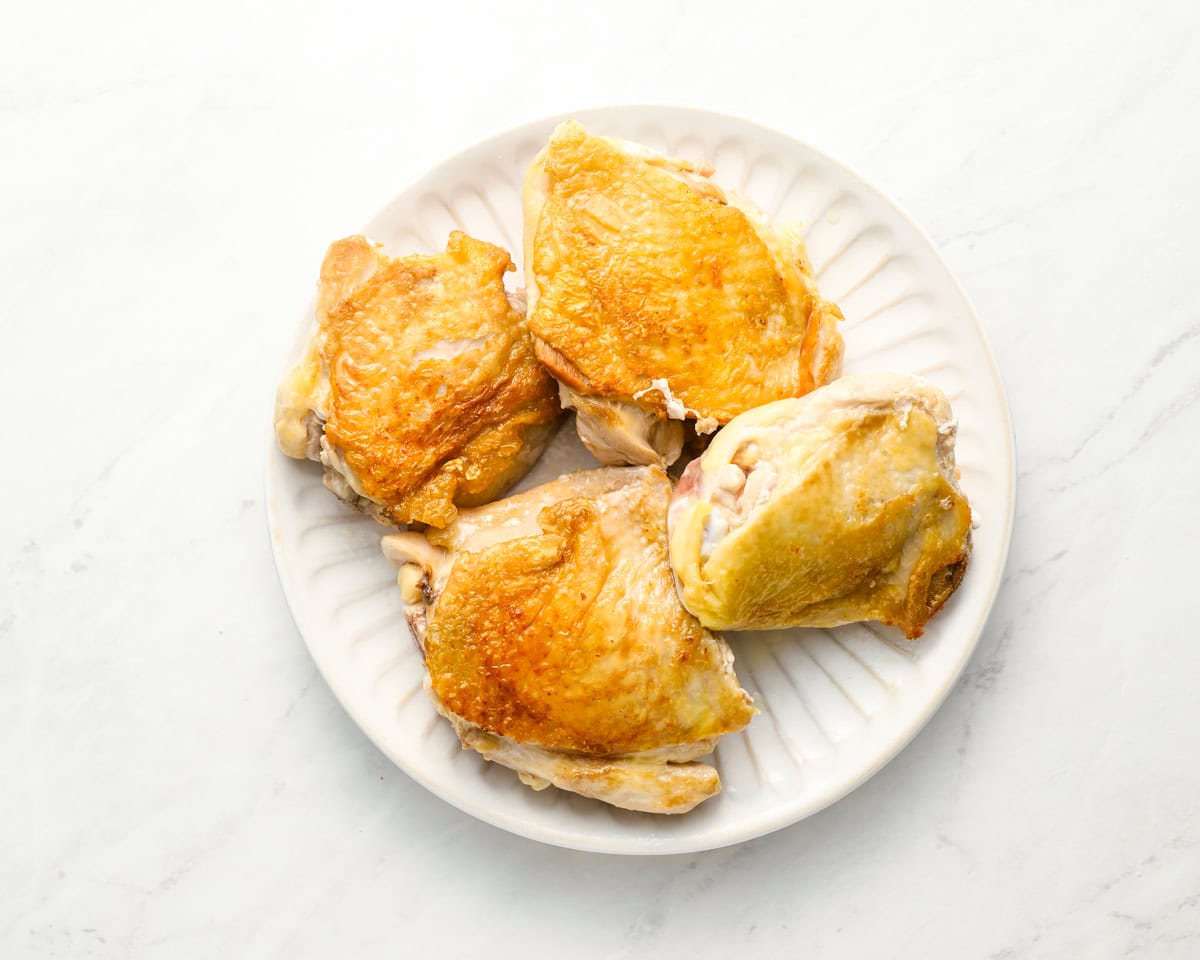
x=837, y=507
x=654, y=297
x=556, y=645
x=419, y=391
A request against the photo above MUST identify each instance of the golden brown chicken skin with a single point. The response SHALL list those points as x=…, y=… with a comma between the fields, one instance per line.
x=651, y=288
x=556, y=644
x=419, y=391
x=836, y=507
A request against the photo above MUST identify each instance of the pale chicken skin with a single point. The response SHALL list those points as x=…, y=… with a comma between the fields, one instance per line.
x=556, y=645
x=655, y=297
x=419, y=391
x=837, y=507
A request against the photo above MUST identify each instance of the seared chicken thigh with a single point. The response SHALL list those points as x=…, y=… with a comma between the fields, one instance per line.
x=656, y=297
x=419, y=391
x=839, y=506
x=556, y=645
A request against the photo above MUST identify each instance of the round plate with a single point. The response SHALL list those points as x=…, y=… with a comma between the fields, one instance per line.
x=835, y=705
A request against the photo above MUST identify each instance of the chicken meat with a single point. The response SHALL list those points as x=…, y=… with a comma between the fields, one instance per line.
x=556, y=645
x=656, y=297
x=419, y=390
x=840, y=506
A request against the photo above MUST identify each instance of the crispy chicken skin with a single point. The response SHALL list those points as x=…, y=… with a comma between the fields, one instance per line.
x=556, y=645
x=658, y=296
x=836, y=507
x=419, y=391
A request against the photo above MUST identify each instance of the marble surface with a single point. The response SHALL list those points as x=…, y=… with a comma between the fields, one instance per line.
x=180, y=783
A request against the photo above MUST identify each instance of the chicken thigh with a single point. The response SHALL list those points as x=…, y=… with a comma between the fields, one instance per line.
x=655, y=297
x=419, y=391
x=556, y=645
x=837, y=507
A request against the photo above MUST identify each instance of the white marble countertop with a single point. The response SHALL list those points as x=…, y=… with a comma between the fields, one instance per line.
x=180, y=783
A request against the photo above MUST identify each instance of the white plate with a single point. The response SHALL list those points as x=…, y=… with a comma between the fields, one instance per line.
x=835, y=704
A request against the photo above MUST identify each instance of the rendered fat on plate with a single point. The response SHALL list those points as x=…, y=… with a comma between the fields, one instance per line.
x=419, y=390
x=837, y=507
x=556, y=645
x=656, y=297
